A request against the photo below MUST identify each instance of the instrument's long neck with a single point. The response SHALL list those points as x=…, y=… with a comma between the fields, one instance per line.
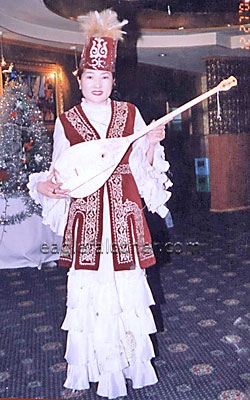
x=168, y=117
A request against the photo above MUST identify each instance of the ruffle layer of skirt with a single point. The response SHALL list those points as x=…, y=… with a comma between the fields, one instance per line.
x=108, y=328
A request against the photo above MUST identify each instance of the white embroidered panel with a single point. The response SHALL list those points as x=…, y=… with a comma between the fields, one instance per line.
x=85, y=130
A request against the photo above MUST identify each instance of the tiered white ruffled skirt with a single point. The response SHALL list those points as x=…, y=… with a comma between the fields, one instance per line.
x=108, y=320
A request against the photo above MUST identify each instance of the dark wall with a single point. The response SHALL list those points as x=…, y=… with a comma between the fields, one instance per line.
x=234, y=103
x=156, y=86
x=203, y=6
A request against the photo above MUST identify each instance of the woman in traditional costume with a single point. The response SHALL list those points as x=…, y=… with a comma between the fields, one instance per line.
x=106, y=242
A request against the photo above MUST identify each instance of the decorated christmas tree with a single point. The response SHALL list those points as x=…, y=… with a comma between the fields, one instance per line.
x=24, y=145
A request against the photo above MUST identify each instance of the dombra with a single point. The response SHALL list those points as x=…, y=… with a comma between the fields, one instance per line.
x=85, y=167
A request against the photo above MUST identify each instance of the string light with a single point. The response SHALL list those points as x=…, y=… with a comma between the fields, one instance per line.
x=75, y=71
x=3, y=62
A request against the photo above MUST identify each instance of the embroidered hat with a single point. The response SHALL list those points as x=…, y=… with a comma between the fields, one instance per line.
x=102, y=31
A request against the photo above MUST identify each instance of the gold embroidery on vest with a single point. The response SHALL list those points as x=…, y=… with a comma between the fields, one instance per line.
x=89, y=210
x=123, y=169
x=120, y=224
x=81, y=125
x=119, y=119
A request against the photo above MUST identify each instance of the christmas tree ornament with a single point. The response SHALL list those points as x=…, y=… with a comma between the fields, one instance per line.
x=11, y=73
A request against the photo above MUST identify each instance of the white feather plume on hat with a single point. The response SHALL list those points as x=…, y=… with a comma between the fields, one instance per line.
x=103, y=24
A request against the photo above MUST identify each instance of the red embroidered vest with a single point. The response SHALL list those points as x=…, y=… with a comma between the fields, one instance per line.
x=83, y=239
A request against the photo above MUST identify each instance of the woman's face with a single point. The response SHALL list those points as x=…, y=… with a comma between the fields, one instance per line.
x=96, y=85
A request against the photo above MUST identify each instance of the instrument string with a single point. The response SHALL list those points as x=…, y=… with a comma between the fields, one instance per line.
x=219, y=117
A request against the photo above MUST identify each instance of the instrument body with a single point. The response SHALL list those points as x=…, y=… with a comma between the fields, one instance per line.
x=85, y=167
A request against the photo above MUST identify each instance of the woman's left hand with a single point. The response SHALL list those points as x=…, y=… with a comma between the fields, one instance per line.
x=156, y=135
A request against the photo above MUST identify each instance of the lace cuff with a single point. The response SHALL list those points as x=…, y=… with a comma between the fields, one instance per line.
x=151, y=180
x=54, y=211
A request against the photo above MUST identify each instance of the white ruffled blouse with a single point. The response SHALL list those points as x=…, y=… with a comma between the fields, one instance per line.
x=151, y=180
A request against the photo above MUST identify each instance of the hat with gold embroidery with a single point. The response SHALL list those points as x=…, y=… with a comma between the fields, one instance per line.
x=102, y=31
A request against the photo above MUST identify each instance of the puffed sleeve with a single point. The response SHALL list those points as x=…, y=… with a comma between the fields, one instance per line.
x=152, y=180
x=54, y=211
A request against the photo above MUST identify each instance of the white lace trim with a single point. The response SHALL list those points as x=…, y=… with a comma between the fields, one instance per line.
x=151, y=180
x=54, y=211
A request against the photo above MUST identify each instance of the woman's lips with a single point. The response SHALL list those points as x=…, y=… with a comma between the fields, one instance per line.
x=97, y=92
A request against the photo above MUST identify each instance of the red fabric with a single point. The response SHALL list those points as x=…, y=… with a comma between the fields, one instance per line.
x=127, y=218
x=99, y=54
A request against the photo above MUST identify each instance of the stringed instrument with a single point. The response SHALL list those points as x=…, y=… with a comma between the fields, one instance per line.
x=85, y=167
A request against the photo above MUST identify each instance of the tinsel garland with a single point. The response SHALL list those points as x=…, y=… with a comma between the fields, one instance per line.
x=30, y=208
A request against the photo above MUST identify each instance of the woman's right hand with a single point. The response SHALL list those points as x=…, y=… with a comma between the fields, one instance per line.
x=51, y=189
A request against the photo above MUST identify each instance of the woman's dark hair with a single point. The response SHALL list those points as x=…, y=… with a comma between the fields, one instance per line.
x=81, y=70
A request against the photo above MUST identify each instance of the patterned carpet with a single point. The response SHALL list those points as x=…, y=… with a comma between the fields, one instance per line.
x=205, y=348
